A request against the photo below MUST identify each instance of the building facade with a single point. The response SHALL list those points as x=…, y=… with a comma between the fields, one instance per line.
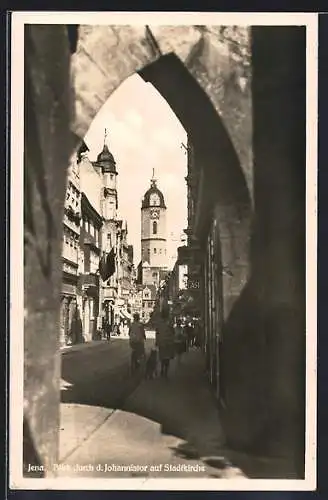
x=69, y=331
x=90, y=244
x=204, y=274
x=115, y=293
x=149, y=293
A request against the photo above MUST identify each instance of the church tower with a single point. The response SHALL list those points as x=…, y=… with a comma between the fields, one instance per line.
x=153, y=234
x=107, y=167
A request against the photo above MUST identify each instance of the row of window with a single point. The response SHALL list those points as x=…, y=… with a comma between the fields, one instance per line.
x=91, y=229
x=72, y=243
x=70, y=237
x=155, y=251
x=149, y=304
x=94, y=262
x=72, y=195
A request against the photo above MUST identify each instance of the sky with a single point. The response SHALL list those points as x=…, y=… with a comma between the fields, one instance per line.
x=144, y=133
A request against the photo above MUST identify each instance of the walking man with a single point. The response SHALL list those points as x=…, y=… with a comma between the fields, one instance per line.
x=137, y=341
x=165, y=342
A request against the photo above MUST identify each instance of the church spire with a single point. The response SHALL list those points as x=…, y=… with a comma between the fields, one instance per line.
x=105, y=136
x=105, y=159
x=153, y=179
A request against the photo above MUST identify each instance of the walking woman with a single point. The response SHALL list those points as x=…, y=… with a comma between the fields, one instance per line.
x=165, y=342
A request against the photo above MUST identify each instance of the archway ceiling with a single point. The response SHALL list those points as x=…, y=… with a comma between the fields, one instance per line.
x=107, y=55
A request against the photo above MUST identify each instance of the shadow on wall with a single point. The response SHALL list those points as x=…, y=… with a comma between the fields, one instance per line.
x=263, y=413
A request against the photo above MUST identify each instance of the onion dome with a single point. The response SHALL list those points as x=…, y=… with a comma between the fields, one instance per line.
x=106, y=161
x=153, y=197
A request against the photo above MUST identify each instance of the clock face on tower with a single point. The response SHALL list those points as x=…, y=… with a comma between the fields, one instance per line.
x=154, y=214
x=154, y=199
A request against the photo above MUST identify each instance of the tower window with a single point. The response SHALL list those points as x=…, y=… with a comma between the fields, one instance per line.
x=111, y=177
x=154, y=227
x=155, y=250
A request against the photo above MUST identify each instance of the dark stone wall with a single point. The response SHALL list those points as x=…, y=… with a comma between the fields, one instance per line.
x=264, y=344
x=263, y=348
x=48, y=113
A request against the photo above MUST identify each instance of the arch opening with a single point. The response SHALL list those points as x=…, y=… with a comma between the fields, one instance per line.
x=224, y=206
x=224, y=194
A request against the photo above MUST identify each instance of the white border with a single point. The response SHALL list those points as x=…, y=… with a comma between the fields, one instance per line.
x=16, y=246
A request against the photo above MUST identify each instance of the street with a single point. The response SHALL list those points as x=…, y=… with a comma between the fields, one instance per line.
x=116, y=425
x=114, y=421
x=98, y=373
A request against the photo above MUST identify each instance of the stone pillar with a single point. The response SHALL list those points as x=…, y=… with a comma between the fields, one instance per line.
x=279, y=105
x=264, y=339
x=48, y=106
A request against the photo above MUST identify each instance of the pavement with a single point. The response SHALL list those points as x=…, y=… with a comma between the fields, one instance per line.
x=116, y=425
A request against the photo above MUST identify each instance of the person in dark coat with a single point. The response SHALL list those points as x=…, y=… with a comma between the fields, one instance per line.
x=180, y=340
x=137, y=336
x=198, y=334
x=165, y=342
x=108, y=330
x=190, y=334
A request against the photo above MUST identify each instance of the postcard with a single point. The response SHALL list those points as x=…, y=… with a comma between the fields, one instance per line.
x=163, y=328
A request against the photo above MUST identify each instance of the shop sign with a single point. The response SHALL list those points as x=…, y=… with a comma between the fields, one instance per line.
x=193, y=284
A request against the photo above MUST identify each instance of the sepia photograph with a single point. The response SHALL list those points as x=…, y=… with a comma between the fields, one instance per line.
x=163, y=251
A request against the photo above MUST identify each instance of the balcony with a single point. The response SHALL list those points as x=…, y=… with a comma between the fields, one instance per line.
x=89, y=280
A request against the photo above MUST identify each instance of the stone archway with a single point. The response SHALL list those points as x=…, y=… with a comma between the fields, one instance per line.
x=171, y=58
x=106, y=55
x=195, y=69
x=52, y=112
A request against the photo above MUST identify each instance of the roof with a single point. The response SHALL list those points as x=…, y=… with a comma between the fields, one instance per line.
x=152, y=289
x=153, y=189
x=82, y=149
x=106, y=160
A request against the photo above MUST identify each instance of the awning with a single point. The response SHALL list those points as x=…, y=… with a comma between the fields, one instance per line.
x=125, y=314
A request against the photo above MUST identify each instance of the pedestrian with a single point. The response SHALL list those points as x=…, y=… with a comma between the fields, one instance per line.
x=107, y=330
x=121, y=328
x=190, y=334
x=180, y=340
x=137, y=341
x=165, y=342
x=198, y=335
x=126, y=329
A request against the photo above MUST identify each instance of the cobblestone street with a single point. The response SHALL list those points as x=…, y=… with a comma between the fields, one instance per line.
x=113, y=425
